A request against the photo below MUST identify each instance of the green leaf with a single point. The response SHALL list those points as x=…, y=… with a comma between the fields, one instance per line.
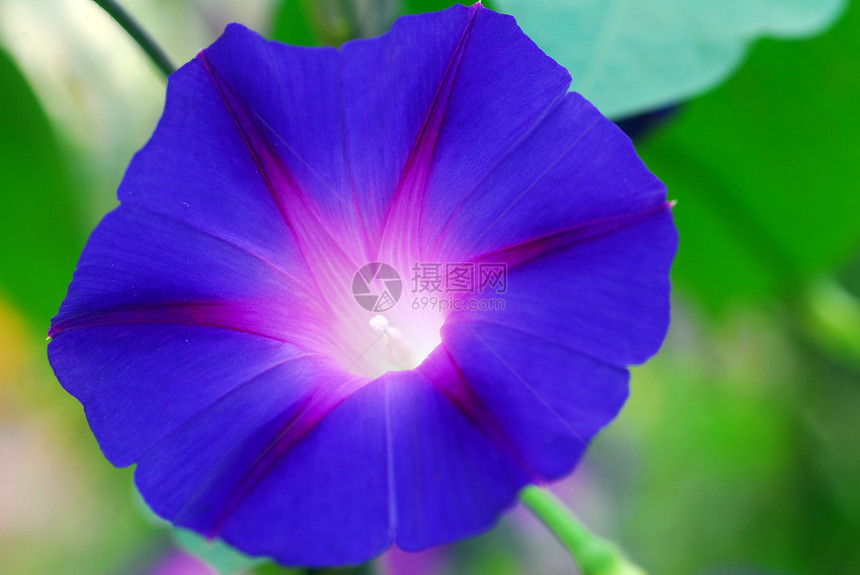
x=765, y=170
x=39, y=237
x=420, y=6
x=715, y=476
x=629, y=56
x=292, y=24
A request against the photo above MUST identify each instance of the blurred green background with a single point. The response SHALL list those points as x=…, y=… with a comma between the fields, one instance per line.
x=738, y=451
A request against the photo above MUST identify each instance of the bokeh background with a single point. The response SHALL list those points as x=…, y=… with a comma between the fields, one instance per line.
x=738, y=452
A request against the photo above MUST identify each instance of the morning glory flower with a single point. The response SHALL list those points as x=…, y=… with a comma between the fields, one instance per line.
x=359, y=298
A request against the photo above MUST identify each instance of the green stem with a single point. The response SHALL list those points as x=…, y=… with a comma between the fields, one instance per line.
x=350, y=15
x=138, y=34
x=828, y=315
x=595, y=556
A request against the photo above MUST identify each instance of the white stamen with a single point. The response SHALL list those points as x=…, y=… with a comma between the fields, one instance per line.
x=379, y=323
x=397, y=351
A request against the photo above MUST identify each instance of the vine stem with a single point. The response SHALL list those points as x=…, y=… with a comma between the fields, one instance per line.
x=138, y=34
x=594, y=555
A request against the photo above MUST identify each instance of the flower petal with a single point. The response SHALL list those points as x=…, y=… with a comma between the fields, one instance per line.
x=137, y=259
x=395, y=83
x=196, y=171
x=451, y=479
x=140, y=382
x=291, y=464
x=285, y=102
x=497, y=85
x=545, y=400
x=153, y=309
x=606, y=296
x=326, y=502
x=572, y=170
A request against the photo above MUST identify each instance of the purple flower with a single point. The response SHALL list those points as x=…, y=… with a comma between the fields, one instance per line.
x=212, y=333
x=181, y=563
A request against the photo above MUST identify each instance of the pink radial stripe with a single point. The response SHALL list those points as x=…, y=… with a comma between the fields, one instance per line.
x=403, y=220
x=297, y=423
x=299, y=355
x=443, y=373
x=265, y=321
x=329, y=263
x=537, y=247
x=511, y=149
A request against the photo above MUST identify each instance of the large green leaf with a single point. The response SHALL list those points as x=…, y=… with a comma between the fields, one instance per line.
x=39, y=238
x=628, y=56
x=766, y=170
